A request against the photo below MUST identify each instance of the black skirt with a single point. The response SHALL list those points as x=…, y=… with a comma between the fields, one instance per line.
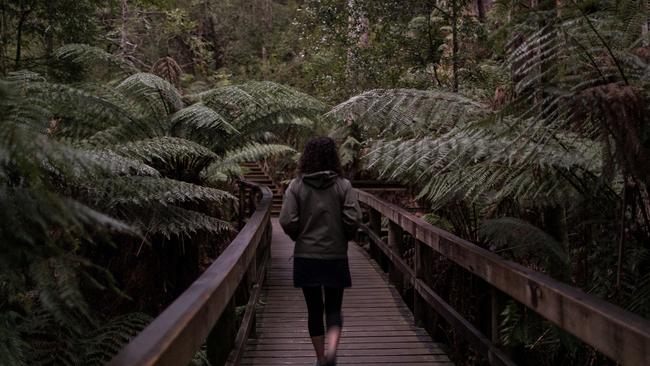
x=310, y=272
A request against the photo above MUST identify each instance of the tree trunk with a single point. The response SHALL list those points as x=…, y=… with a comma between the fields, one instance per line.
x=454, y=41
x=49, y=31
x=124, y=35
x=358, y=35
x=24, y=13
x=4, y=34
x=480, y=10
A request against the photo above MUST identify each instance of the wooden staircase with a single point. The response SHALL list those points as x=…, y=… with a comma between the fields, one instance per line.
x=253, y=173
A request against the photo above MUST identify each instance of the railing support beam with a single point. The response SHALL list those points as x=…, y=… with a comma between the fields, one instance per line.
x=375, y=225
x=221, y=338
x=395, y=242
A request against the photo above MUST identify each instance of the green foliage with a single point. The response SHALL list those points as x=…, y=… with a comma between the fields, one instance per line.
x=523, y=240
x=253, y=104
x=408, y=112
x=553, y=169
x=42, y=232
x=438, y=221
x=83, y=165
x=551, y=117
x=85, y=55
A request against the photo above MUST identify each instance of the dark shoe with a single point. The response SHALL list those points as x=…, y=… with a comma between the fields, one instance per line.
x=331, y=362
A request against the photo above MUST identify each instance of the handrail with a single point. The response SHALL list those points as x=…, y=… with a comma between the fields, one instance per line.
x=179, y=331
x=613, y=331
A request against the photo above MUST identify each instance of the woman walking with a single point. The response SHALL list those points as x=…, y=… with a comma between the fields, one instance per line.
x=320, y=212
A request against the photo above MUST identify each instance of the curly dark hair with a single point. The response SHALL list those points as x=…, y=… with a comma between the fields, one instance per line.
x=320, y=154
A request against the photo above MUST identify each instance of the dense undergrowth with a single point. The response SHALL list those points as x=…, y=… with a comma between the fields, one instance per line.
x=117, y=163
x=115, y=195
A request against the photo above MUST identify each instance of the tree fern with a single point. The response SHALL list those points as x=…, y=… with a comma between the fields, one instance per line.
x=408, y=112
x=13, y=348
x=101, y=343
x=480, y=165
x=229, y=164
x=249, y=105
x=175, y=221
x=163, y=98
x=168, y=153
x=84, y=55
x=116, y=164
x=141, y=191
x=508, y=234
x=59, y=292
x=198, y=117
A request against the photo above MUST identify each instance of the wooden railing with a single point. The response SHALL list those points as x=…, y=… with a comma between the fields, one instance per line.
x=206, y=309
x=618, y=334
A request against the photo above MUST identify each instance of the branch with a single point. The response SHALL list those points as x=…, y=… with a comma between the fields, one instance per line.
x=602, y=40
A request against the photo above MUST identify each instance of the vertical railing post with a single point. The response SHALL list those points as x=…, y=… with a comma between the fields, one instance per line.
x=253, y=280
x=395, y=238
x=241, y=205
x=496, y=307
x=424, y=272
x=251, y=208
x=222, y=337
x=375, y=225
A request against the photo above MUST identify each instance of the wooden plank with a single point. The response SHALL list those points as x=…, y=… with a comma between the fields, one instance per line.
x=381, y=345
x=619, y=334
x=350, y=359
x=307, y=361
x=376, y=338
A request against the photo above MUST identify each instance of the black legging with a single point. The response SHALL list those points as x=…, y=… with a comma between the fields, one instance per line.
x=333, y=301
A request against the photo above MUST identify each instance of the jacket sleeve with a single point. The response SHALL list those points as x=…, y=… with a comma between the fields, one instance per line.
x=289, y=213
x=351, y=212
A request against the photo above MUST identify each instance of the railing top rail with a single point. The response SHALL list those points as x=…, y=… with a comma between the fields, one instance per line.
x=617, y=333
x=178, y=332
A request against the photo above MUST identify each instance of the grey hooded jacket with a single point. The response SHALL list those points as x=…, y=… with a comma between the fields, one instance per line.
x=320, y=211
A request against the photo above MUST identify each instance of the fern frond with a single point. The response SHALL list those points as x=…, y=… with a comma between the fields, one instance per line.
x=168, y=153
x=116, y=164
x=83, y=54
x=162, y=97
x=523, y=239
x=244, y=105
x=168, y=69
x=199, y=118
x=228, y=166
x=96, y=219
x=408, y=112
x=176, y=221
x=100, y=345
x=142, y=191
x=69, y=99
x=479, y=165
x=59, y=293
x=13, y=348
x=255, y=152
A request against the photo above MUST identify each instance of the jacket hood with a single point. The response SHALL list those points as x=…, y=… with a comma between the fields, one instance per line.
x=320, y=180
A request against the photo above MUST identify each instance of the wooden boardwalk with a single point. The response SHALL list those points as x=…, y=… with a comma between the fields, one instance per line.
x=378, y=328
